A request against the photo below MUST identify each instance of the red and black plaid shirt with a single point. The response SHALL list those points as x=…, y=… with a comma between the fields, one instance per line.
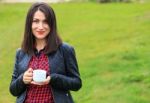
x=36, y=93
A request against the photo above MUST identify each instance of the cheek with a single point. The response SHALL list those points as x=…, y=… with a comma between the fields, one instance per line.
x=48, y=28
x=33, y=26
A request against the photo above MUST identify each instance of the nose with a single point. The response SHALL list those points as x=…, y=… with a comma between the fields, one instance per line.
x=40, y=26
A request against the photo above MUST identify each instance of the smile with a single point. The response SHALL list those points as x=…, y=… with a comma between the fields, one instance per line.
x=40, y=32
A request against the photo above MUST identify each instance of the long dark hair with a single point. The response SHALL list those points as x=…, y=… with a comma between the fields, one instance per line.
x=52, y=40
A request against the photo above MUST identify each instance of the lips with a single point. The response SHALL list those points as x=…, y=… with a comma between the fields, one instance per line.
x=40, y=32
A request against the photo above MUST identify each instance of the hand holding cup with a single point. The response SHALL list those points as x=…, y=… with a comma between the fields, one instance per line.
x=39, y=77
x=28, y=76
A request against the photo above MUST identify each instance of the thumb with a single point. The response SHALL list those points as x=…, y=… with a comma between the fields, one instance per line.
x=30, y=70
x=48, y=78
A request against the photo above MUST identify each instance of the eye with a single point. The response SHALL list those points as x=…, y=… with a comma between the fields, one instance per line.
x=35, y=21
x=45, y=22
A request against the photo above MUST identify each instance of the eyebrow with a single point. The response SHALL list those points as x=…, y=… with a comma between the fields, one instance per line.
x=35, y=18
x=38, y=19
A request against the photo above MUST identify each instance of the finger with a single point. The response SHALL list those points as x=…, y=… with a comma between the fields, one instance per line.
x=35, y=83
x=30, y=70
x=28, y=78
x=47, y=80
x=27, y=81
x=29, y=74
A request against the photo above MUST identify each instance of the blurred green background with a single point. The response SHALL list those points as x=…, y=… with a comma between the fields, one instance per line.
x=111, y=42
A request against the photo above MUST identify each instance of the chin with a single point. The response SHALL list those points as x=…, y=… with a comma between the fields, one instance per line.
x=40, y=37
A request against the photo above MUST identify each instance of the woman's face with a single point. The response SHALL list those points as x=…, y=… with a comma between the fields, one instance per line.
x=40, y=27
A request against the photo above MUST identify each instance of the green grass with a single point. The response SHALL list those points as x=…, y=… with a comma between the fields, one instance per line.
x=111, y=42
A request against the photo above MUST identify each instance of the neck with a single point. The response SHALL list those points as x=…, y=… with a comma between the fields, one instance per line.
x=40, y=44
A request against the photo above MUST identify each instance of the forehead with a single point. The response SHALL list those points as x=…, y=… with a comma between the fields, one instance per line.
x=39, y=15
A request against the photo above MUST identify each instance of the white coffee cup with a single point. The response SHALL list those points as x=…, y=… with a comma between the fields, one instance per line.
x=39, y=75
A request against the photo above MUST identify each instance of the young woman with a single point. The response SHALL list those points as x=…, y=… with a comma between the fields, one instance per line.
x=42, y=48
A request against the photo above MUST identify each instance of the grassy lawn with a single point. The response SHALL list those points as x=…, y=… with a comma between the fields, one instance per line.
x=111, y=42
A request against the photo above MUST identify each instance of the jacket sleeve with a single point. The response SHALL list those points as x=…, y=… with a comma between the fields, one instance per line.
x=72, y=80
x=17, y=85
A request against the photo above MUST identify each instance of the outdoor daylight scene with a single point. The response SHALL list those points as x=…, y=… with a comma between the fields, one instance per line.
x=92, y=51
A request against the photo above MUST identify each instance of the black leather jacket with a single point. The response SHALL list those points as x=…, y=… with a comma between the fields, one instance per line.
x=64, y=74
